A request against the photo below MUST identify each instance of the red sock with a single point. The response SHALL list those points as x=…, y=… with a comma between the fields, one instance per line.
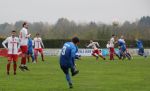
x=111, y=56
x=24, y=60
x=8, y=67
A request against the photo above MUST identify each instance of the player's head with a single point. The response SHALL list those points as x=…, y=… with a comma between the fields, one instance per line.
x=29, y=35
x=13, y=33
x=113, y=35
x=122, y=37
x=91, y=41
x=136, y=39
x=25, y=25
x=75, y=40
x=37, y=34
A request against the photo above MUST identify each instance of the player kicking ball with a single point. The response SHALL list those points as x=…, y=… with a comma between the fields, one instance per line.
x=96, y=52
x=67, y=59
x=13, y=46
x=38, y=47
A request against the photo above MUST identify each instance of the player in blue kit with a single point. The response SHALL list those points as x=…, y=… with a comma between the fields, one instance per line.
x=123, y=49
x=140, y=48
x=67, y=59
x=30, y=50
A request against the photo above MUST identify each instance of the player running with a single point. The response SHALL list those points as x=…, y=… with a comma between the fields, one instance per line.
x=140, y=48
x=24, y=45
x=38, y=45
x=67, y=59
x=122, y=49
x=96, y=52
x=12, y=47
x=30, y=49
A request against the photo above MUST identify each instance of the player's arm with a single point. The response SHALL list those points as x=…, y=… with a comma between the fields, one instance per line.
x=107, y=45
x=73, y=54
x=33, y=43
x=97, y=44
x=89, y=45
x=18, y=44
x=42, y=43
x=4, y=42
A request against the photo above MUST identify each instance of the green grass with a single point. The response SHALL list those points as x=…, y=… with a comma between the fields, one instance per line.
x=94, y=76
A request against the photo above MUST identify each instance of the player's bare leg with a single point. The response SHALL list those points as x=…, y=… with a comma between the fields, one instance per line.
x=102, y=56
x=23, y=59
x=28, y=56
x=15, y=67
x=111, y=53
x=93, y=54
x=42, y=56
x=23, y=63
x=35, y=55
x=8, y=66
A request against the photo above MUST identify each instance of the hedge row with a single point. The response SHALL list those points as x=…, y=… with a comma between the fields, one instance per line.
x=57, y=43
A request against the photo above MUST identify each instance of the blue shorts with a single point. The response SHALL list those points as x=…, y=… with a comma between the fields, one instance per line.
x=30, y=52
x=65, y=69
x=141, y=51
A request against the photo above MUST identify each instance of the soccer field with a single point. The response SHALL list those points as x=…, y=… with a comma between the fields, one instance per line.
x=94, y=76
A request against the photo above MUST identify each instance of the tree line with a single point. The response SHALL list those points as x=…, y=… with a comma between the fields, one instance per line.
x=66, y=29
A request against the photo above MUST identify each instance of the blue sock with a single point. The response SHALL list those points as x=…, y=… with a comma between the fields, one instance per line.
x=68, y=79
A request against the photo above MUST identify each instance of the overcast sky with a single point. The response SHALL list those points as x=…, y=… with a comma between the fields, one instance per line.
x=78, y=10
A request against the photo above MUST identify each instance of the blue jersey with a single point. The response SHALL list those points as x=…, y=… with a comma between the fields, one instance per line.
x=139, y=44
x=68, y=54
x=30, y=46
x=122, y=44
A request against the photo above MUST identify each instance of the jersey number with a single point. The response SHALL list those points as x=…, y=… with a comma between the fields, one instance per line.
x=63, y=50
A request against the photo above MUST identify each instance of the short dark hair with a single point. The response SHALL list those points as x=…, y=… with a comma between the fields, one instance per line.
x=37, y=34
x=24, y=24
x=75, y=40
x=13, y=31
x=113, y=35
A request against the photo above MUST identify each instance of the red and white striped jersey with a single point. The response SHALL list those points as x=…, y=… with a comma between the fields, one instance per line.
x=112, y=40
x=38, y=42
x=94, y=45
x=13, y=45
x=23, y=37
